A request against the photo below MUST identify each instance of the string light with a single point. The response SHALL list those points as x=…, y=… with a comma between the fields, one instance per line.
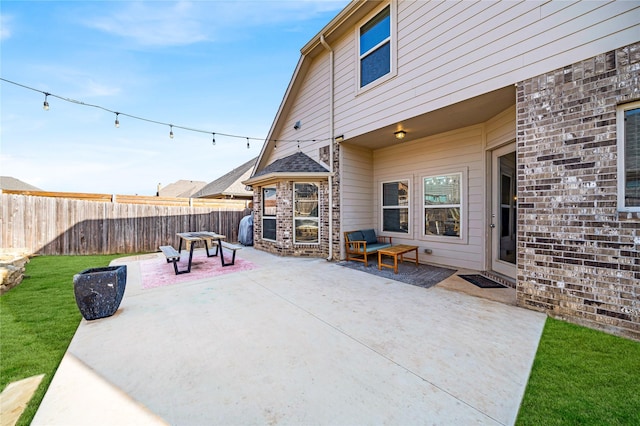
x=117, y=122
x=275, y=144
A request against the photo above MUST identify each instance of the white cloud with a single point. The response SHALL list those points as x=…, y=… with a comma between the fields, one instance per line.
x=5, y=27
x=158, y=24
x=153, y=23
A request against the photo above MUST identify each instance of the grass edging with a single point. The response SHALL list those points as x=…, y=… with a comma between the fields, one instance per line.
x=38, y=319
x=579, y=375
x=582, y=376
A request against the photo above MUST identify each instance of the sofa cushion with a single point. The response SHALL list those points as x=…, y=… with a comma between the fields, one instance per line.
x=372, y=248
x=355, y=236
x=370, y=236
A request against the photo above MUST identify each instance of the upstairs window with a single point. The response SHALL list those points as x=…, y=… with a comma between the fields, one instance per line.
x=375, y=47
x=628, y=122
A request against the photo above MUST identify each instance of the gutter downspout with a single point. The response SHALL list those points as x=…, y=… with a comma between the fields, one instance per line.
x=331, y=133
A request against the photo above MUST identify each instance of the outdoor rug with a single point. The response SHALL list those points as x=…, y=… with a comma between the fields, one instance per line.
x=422, y=275
x=159, y=273
x=481, y=281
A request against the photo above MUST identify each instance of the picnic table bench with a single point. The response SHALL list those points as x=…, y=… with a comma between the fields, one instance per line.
x=173, y=256
x=231, y=247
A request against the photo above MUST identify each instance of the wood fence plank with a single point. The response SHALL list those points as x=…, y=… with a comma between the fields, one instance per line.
x=62, y=226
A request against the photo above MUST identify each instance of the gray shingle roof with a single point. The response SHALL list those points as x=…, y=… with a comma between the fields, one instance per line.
x=13, y=184
x=181, y=189
x=296, y=163
x=229, y=184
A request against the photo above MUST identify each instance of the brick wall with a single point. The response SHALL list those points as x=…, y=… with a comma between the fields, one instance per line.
x=284, y=244
x=578, y=257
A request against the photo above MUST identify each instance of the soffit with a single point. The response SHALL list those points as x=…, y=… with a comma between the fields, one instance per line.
x=462, y=114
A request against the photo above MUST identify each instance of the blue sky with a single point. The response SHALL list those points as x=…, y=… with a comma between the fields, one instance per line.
x=219, y=66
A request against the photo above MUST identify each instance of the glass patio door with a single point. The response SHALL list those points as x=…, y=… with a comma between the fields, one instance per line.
x=503, y=221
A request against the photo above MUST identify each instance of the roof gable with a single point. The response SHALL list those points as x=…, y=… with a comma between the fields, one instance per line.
x=229, y=184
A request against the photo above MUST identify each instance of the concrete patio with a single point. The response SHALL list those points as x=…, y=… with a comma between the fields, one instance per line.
x=297, y=341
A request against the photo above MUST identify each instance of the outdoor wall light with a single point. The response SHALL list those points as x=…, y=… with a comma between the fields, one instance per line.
x=339, y=138
x=400, y=134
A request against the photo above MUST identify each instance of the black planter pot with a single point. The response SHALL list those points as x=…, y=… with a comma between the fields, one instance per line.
x=99, y=291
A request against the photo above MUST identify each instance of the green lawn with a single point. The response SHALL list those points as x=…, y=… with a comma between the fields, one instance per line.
x=579, y=377
x=38, y=319
x=582, y=376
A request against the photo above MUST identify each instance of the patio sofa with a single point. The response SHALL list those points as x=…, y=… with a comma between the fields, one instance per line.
x=360, y=244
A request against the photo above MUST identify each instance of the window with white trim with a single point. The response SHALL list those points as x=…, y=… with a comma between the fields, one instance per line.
x=269, y=209
x=305, y=212
x=395, y=206
x=628, y=125
x=375, y=47
x=442, y=205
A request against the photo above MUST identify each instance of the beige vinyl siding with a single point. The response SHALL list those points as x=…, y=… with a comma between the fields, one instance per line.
x=449, y=52
x=502, y=128
x=356, y=190
x=345, y=73
x=457, y=151
x=311, y=108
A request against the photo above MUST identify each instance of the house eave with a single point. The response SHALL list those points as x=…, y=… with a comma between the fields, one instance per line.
x=277, y=176
x=341, y=24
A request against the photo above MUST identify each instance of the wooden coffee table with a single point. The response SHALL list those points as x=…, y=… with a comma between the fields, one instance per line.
x=395, y=251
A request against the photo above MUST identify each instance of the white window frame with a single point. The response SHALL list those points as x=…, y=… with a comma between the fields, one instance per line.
x=621, y=156
x=314, y=218
x=393, y=68
x=407, y=207
x=274, y=217
x=462, y=238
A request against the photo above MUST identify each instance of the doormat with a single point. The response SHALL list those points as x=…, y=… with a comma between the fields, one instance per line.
x=482, y=282
x=422, y=275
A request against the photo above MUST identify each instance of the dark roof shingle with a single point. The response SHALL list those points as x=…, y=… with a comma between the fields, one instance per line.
x=295, y=163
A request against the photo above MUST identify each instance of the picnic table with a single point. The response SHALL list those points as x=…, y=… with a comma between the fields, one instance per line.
x=210, y=239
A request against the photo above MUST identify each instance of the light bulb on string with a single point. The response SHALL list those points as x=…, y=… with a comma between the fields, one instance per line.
x=117, y=117
x=213, y=142
x=275, y=144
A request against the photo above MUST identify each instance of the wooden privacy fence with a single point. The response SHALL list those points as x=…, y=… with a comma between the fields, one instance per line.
x=231, y=204
x=46, y=225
